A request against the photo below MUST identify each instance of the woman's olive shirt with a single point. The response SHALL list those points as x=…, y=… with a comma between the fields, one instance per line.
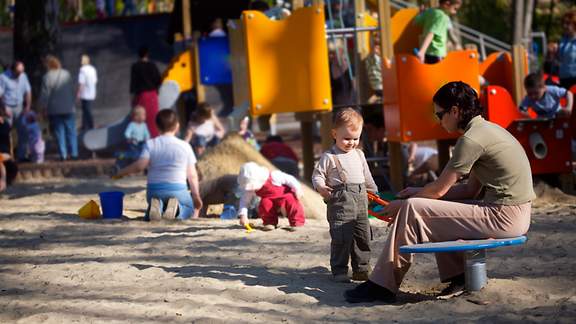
x=497, y=160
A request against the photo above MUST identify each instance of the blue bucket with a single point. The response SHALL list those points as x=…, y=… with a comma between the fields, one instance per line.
x=112, y=204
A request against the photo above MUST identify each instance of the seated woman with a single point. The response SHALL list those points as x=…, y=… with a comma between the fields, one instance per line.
x=494, y=161
x=170, y=162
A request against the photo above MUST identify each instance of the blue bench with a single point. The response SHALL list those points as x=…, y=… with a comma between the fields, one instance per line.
x=475, y=251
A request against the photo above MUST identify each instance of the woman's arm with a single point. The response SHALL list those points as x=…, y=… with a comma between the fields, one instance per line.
x=439, y=188
x=467, y=190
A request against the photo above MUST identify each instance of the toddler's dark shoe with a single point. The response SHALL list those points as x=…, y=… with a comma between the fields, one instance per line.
x=369, y=292
x=268, y=227
x=360, y=276
x=341, y=278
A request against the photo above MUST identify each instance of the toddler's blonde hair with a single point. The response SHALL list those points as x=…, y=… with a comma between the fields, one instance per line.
x=347, y=117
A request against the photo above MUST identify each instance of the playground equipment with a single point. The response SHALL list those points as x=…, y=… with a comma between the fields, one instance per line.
x=547, y=142
x=287, y=65
x=410, y=85
x=475, y=253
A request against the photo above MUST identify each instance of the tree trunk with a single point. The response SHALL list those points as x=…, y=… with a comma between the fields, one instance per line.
x=518, y=22
x=36, y=34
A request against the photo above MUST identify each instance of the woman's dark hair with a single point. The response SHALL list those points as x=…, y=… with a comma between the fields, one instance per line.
x=461, y=95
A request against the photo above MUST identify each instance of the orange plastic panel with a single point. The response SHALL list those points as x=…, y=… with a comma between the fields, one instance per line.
x=180, y=70
x=557, y=137
x=409, y=88
x=498, y=70
x=405, y=33
x=500, y=107
x=287, y=62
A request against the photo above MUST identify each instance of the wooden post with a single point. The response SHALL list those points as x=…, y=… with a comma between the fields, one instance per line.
x=325, y=117
x=518, y=61
x=187, y=29
x=385, y=17
x=307, y=132
x=186, y=19
x=306, y=124
x=395, y=156
x=361, y=53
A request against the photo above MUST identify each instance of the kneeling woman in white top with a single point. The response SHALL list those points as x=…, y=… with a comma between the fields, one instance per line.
x=170, y=162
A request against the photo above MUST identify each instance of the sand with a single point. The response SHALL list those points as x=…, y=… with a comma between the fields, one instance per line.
x=57, y=268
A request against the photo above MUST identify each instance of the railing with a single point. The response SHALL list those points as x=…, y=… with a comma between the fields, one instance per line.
x=485, y=42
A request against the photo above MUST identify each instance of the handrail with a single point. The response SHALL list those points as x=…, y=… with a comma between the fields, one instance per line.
x=484, y=41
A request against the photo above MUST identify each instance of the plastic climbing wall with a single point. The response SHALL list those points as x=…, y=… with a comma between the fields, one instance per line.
x=287, y=62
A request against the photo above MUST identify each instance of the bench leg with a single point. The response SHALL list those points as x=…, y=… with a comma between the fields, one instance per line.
x=476, y=270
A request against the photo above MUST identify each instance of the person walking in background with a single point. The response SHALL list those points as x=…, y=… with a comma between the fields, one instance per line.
x=16, y=93
x=145, y=80
x=111, y=8
x=129, y=8
x=567, y=51
x=57, y=102
x=87, y=80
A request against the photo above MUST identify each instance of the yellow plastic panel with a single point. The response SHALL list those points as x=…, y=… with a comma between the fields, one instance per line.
x=405, y=33
x=369, y=21
x=287, y=62
x=410, y=86
x=180, y=70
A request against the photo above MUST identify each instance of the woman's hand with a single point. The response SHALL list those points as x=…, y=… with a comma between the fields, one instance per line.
x=391, y=210
x=408, y=192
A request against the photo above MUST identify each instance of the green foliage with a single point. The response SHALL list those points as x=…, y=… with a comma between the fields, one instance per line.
x=491, y=17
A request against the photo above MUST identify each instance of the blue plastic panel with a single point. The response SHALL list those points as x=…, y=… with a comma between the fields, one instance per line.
x=214, y=56
x=468, y=245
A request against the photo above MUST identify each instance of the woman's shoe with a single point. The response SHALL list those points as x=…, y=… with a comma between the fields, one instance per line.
x=369, y=292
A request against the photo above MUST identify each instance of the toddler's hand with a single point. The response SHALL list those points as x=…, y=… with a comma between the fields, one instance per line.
x=243, y=220
x=325, y=191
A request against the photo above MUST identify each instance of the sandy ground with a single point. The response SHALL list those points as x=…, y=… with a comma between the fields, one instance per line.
x=57, y=268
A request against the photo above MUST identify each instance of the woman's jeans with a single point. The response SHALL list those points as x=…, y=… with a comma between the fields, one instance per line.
x=165, y=191
x=64, y=128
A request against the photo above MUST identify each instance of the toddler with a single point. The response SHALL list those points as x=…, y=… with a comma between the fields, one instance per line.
x=277, y=190
x=342, y=177
x=36, y=145
x=545, y=99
